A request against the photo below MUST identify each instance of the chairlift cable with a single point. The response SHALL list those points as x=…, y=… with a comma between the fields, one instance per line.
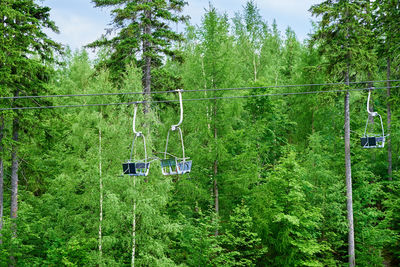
x=195, y=90
x=195, y=99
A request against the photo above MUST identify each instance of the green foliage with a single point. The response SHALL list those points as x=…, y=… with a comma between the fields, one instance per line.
x=277, y=160
x=341, y=36
x=287, y=222
x=250, y=31
x=241, y=246
x=142, y=28
x=25, y=46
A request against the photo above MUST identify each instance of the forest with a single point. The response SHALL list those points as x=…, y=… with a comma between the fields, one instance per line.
x=272, y=125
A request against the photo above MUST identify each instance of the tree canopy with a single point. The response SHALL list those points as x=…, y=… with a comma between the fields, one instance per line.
x=264, y=129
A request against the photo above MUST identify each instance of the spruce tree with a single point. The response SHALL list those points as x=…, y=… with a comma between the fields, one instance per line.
x=341, y=35
x=143, y=35
x=387, y=15
x=241, y=246
x=1, y=173
x=25, y=51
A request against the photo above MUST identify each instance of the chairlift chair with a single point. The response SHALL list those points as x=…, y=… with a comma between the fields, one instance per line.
x=174, y=165
x=136, y=167
x=372, y=140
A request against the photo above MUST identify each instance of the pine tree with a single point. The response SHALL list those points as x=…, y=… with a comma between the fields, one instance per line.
x=341, y=35
x=241, y=246
x=284, y=218
x=386, y=21
x=143, y=35
x=271, y=57
x=1, y=173
x=291, y=55
x=25, y=51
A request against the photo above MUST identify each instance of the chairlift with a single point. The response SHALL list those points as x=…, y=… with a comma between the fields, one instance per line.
x=372, y=140
x=174, y=165
x=136, y=167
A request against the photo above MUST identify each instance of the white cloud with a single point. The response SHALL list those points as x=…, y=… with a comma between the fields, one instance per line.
x=297, y=8
x=292, y=13
x=81, y=23
x=76, y=30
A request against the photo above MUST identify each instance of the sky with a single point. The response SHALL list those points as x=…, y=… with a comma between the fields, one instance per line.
x=80, y=22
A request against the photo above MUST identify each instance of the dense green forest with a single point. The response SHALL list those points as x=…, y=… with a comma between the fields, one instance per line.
x=277, y=180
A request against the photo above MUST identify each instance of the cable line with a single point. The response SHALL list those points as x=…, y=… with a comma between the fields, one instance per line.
x=197, y=90
x=194, y=99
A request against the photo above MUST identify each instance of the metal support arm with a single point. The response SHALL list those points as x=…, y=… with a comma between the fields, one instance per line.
x=176, y=126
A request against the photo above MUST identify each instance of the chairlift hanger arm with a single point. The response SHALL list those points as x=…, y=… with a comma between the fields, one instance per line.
x=373, y=114
x=174, y=127
x=136, y=167
x=134, y=122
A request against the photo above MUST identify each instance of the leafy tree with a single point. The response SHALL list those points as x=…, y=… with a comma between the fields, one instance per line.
x=211, y=60
x=250, y=31
x=271, y=57
x=291, y=55
x=285, y=219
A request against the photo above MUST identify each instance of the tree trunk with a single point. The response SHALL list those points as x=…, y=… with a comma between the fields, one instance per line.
x=134, y=226
x=101, y=202
x=312, y=121
x=14, y=184
x=255, y=67
x=1, y=174
x=147, y=59
x=389, y=120
x=349, y=193
x=14, y=169
x=216, y=193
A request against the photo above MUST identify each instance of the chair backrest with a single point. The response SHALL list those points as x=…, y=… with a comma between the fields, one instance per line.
x=169, y=166
x=136, y=168
x=369, y=141
x=185, y=166
x=129, y=168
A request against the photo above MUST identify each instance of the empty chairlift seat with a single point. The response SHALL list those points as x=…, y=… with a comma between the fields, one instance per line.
x=136, y=167
x=372, y=140
x=174, y=165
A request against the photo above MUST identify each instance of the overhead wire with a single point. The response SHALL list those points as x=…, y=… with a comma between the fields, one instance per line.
x=196, y=99
x=196, y=90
